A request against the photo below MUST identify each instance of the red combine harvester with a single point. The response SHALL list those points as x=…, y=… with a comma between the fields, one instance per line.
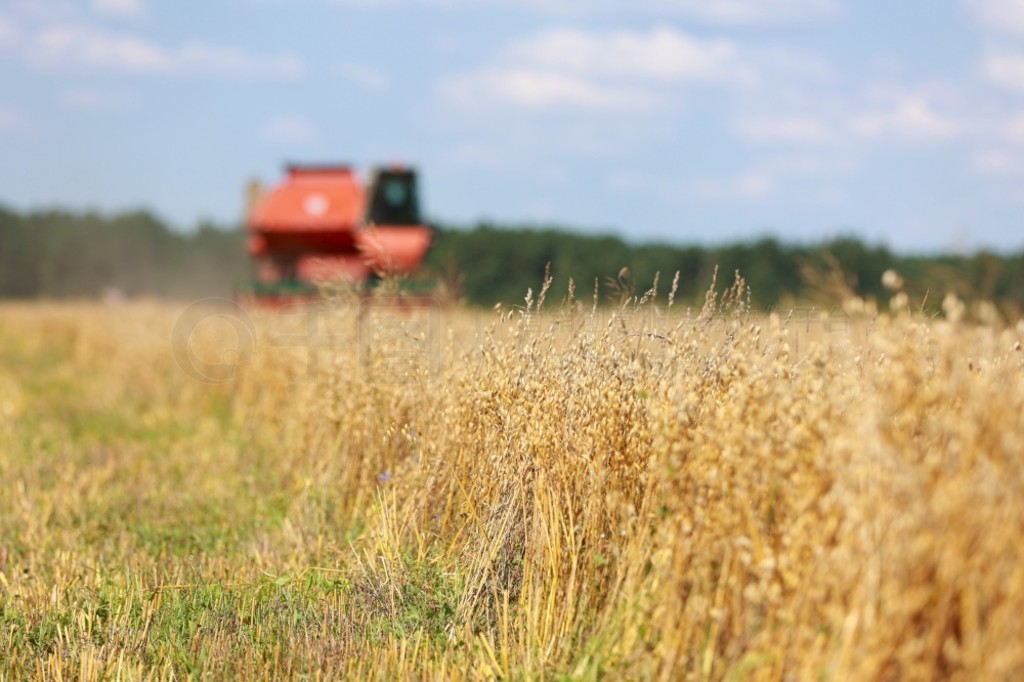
x=321, y=224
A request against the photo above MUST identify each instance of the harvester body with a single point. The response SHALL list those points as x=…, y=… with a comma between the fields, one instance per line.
x=323, y=224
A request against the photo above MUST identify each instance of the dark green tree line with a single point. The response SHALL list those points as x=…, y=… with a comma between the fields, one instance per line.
x=60, y=254
x=65, y=254
x=497, y=265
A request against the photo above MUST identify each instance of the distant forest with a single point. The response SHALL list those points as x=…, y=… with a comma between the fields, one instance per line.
x=62, y=254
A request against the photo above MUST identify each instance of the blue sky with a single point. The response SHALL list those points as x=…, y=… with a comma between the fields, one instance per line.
x=690, y=121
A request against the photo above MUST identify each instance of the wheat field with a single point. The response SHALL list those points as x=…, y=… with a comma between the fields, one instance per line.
x=552, y=490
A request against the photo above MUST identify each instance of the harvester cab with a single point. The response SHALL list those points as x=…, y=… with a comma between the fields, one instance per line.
x=393, y=199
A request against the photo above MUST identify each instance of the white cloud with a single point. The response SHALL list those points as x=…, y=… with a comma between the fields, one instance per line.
x=476, y=156
x=364, y=76
x=35, y=11
x=622, y=70
x=814, y=165
x=744, y=12
x=793, y=128
x=879, y=111
x=10, y=118
x=770, y=176
x=118, y=8
x=751, y=184
x=89, y=99
x=663, y=54
x=902, y=115
x=1005, y=16
x=82, y=46
x=1014, y=128
x=537, y=89
x=740, y=13
x=666, y=54
x=1004, y=68
x=995, y=162
x=8, y=32
x=79, y=46
x=910, y=116
x=289, y=129
x=626, y=181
